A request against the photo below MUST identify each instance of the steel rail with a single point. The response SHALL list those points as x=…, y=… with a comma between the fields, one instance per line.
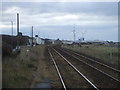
x=92, y=67
x=76, y=70
x=96, y=61
x=58, y=72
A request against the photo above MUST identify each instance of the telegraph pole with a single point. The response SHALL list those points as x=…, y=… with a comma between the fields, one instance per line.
x=32, y=36
x=17, y=30
x=11, y=28
x=12, y=33
x=17, y=23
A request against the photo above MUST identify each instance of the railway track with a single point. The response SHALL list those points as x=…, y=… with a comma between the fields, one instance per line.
x=113, y=72
x=58, y=72
x=93, y=60
x=101, y=79
x=69, y=75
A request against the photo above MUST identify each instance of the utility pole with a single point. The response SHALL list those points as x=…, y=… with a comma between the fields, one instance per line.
x=17, y=30
x=12, y=33
x=32, y=36
x=11, y=28
x=17, y=23
x=74, y=32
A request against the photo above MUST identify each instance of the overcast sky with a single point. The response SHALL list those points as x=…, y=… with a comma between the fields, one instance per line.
x=96, y=20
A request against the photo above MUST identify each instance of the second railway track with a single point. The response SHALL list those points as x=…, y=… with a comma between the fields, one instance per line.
x=98, y=77
x=112, y=72
x=69, y=75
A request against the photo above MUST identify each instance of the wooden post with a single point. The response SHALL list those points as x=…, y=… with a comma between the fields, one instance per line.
x=12, y=34
x=32, y=36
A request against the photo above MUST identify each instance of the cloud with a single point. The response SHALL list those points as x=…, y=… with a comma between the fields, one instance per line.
x=64, y=19
x=60, y=13
x=88, y=15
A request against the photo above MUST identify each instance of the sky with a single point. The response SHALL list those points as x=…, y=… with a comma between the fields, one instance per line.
x=92, y=20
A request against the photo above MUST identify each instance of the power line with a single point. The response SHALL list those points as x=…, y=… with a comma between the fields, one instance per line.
x=32, y=36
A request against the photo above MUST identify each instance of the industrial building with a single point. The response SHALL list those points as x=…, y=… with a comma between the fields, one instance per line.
x=39, y=40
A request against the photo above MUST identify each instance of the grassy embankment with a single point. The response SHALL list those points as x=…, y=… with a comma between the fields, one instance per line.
x=100, y=52
x=19, y=71
x=28, y=68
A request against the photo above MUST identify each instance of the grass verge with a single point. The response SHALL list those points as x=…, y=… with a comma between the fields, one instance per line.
x=108, y=55
x=19, y=71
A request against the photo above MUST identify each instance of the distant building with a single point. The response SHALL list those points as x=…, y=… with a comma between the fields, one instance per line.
x=39, y=40
x=30, y=41
x=80, y=40
x=67, y=42
x=58, y=42
x=48, y=41
x=52, y=41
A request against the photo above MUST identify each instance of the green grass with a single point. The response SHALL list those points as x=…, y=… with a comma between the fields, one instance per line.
x=98, y=51
x=19, y=71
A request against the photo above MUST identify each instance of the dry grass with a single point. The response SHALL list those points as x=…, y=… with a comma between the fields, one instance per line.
x=46, y=70
x=28, y=68
x=98, y=51
x=19, y=71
